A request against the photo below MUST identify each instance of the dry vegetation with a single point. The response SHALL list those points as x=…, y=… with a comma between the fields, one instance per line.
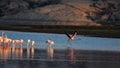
x=100, y=18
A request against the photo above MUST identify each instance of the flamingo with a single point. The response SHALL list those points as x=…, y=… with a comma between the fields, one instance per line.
x=5, y=39
x=50, y=42
x=21, y=41
x=3, y=34
x=28, y=42
x=50, y=49
x=18, y=42
x=71, y=37
x=33, y=43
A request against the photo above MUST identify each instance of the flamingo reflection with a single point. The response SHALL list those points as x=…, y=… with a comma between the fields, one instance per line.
x=50, y=52
x=28, y=49
x=13, y=52
x=5, y=52
x=1, y=52
x=28, y=52
x=19, y=52
x=13, y=49
x=32, y=49
x=71, y=55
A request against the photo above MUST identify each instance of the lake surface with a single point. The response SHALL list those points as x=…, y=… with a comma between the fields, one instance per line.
x=83, y=52
x=61, y=41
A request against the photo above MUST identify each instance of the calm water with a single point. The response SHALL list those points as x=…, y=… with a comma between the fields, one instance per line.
x=79, y=54
x=86, y=43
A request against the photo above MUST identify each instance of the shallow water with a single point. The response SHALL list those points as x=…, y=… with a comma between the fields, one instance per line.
x=18, y=57
x=75, y=54
x=61, y=41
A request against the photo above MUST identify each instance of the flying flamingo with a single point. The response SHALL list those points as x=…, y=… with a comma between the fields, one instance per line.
x=71, y=37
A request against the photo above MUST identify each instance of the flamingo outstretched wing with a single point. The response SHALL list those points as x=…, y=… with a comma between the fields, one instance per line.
x=68, y=35
x=74, y=35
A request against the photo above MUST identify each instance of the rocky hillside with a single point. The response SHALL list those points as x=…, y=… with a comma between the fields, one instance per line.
x=51, y=12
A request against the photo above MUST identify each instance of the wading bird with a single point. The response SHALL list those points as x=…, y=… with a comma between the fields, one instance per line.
x=4, y=39
x=33, y=43
x=28, y=43
x=50, y=49
x=50, y=42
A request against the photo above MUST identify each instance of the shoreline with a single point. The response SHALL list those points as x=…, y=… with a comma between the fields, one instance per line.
x=92, y=31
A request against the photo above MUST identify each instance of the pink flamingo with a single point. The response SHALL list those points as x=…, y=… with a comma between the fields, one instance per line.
x=71, y=37
x=50, y=42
